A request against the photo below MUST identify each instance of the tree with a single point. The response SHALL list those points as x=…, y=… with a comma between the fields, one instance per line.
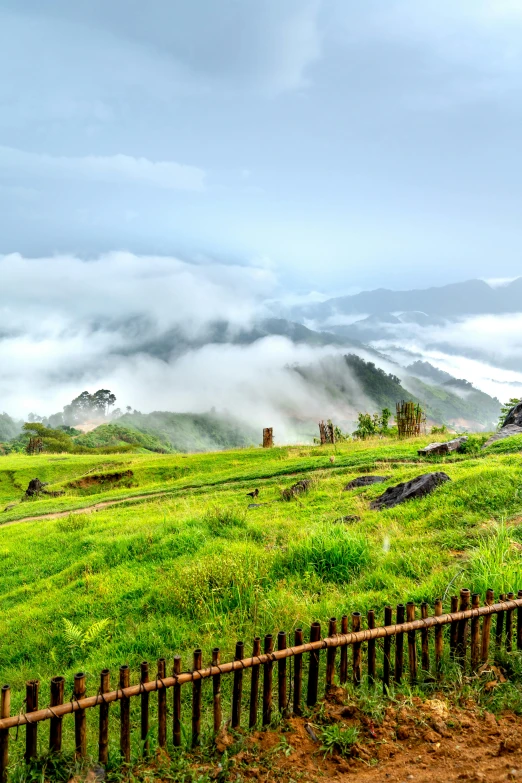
x=372, y=424
x=87, y=405
x=505, y=410
x=54, y=441
x=102, y=400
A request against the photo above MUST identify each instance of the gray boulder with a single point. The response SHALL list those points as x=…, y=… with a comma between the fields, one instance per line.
x=442, y=448
x=512, y=426
x=416, y=488
x=364, y=481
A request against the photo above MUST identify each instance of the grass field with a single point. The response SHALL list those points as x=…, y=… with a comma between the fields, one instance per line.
x=195, y=567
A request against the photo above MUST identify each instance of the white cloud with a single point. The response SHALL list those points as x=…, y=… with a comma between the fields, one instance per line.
x=124, y=169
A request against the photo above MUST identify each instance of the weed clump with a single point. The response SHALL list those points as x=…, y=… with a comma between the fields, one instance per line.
x=335, y=554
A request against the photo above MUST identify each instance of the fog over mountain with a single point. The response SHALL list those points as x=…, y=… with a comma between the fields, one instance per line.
x=211, y=205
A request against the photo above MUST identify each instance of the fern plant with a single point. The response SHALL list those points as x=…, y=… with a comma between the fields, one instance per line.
x=78, y=639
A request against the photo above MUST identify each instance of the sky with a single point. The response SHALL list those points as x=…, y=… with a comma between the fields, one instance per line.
x=336, y=145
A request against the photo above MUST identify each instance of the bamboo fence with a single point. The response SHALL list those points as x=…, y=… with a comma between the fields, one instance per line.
x=469, y=646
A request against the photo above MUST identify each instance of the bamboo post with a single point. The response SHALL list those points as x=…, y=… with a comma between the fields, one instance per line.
x=475, y=634
x=399, y=646
x=31, y=729
x=509, y=625
x=386, y=664
x=55, y=730
x=519, y=623
x=5, y=712
x=425, y=648
x=412, y=643
x=356, y=647
x=196, y=700
x=125, y=748
x=237, y=689
x=330, y=656
x=268, y=438
x=313, y=666
x=486, y=627
x=298, y=672
x=499, y=630
x=103, y=735
x=216, y=691
x=80, y=721
x=176, y=711
x=371, y=649
x=162, y=703
x=439, y=639
x=343, y=666
x=454, y=626
x=462, y=636
x=144, y=708
x=267, y=681
x=281, y=673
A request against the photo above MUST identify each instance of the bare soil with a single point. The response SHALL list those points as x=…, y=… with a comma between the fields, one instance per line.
x=417, y=740
x=92, y=480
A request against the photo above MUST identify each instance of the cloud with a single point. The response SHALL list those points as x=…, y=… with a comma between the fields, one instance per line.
x=124, y=169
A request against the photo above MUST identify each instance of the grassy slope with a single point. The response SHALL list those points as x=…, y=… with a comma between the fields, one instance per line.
x=200, y=569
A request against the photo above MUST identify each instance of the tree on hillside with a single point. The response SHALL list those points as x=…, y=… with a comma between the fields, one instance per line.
x=87, y=406
x=505, y=410
x=54, y=441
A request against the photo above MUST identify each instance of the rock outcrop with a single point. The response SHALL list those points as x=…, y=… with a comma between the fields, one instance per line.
x=297, y=489
x=416, y=488
x=442, y=448
x=37, y=487
x=512, y=426
x=364, y=481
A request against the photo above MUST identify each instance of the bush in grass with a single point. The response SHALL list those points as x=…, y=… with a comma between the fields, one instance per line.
x=494, y=563
x=335, y=554
x=222, y=520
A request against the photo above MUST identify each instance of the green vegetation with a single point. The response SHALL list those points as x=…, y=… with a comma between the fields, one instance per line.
x=116, y=435
x=368, y=426
x=8, y=428
x=183, y=561
x=506, y=408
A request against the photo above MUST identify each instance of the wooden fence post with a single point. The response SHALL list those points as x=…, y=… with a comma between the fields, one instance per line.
x=125, y=748
x=176, y=712
x=475, y=634
x=5, y=712
x=80, y=723
x=103, y=736
x=237, y=689
x=281, y=673
x=313, y=667
x=371, y=649
x=196, y=700
x=425, y=648
x=268, y=438
x=454, y=626
x=55, y=730
x=499, y=629
x=31, y=730
x=386, y=664
x=519, y=623
x=356, y=647
x=509, y=625
x=439, y=639
x=399, y=646
x=267, y=681
x=330, y=656
x=412, y=643
x=462, y=636
x=162, y=703
x=343, y=666
x=486, y=627
x=254, y=685
x=298, y=672
x=144, y=708
x=216, y=692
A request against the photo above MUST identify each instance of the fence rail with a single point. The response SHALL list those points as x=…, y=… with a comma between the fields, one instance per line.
x=462, y=631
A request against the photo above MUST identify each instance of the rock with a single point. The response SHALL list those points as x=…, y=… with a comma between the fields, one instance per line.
x=442, y=448
x=37, y=487
x=348, y=518
x=512, y=426
x=416, y=488
x=297, y=489
x=364, y=481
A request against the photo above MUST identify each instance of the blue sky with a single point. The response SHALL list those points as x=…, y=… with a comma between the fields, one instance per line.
x=339, y=144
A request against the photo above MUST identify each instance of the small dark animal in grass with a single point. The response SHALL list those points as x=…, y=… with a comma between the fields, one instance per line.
x=253, y=494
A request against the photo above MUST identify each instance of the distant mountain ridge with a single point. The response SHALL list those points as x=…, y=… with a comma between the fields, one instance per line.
x=472, y=297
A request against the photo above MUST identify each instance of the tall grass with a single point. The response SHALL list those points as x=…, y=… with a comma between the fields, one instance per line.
x=495, y=562
x=333, y=553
